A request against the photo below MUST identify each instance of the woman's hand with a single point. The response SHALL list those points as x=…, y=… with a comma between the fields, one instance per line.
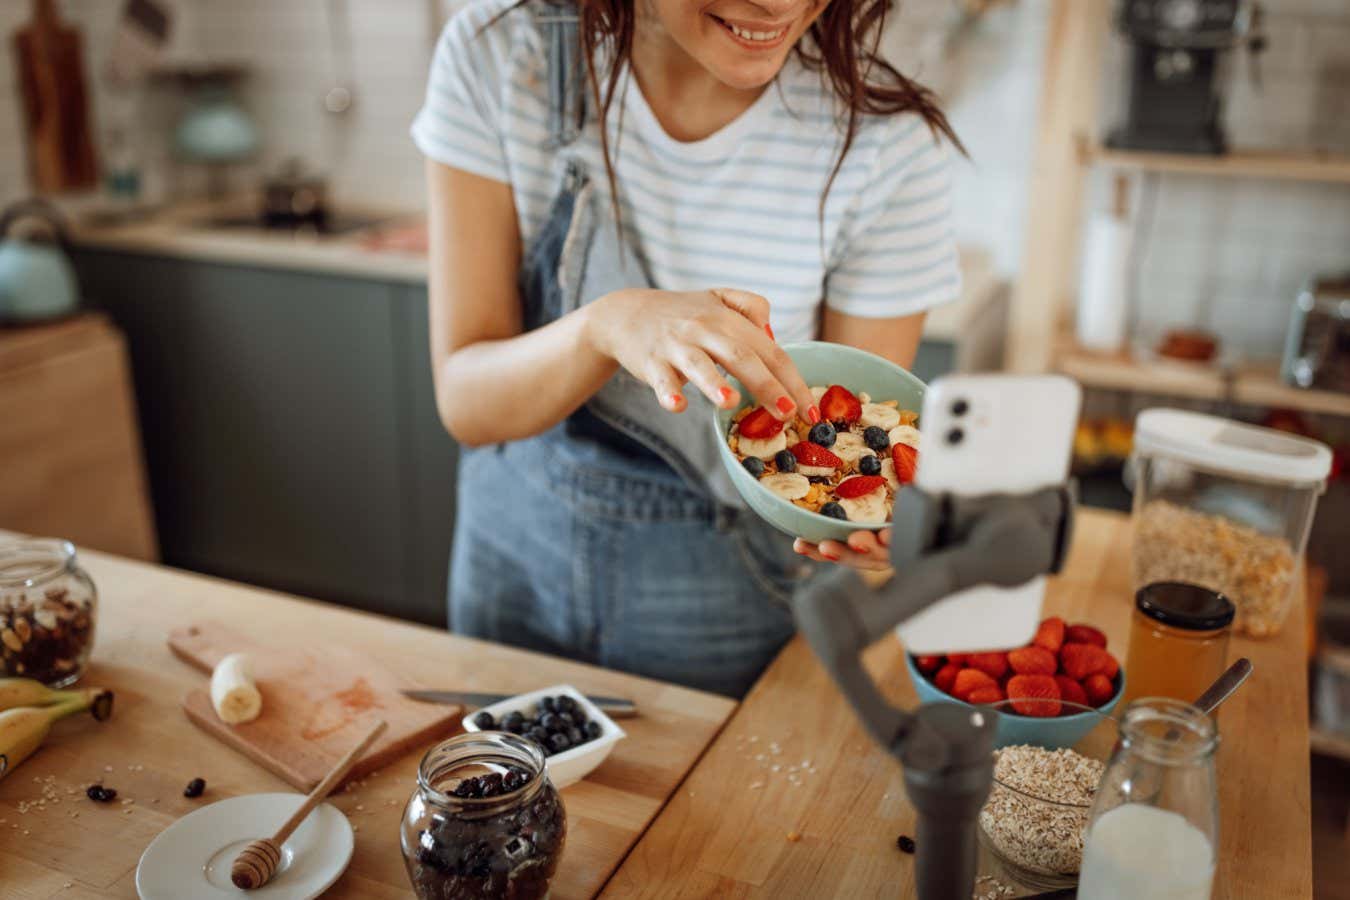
x=864, y=550
x=668, y=338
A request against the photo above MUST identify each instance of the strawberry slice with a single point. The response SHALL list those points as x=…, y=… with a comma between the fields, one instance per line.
x=760, y=424
x=858, y=485
x=809, y=454
x=906, y=460
x=839, y=405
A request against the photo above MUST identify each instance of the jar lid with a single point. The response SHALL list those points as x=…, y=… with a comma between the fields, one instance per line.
x=1183, y=605
x=1232, y=448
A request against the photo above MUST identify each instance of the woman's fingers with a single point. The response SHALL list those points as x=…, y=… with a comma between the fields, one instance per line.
x=699, y=368
x=781, y=366
x=752, y=306
x=740, y=359
x=668, y=386
x=874, y=556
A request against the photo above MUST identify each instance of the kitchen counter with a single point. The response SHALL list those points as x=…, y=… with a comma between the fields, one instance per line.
x=726, y=831
x=178, y=232
x=149, y=750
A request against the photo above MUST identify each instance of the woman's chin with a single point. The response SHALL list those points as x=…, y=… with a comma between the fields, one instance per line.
x=748, y=76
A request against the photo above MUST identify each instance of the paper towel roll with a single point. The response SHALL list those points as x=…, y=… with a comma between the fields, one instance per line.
x=1102, y=295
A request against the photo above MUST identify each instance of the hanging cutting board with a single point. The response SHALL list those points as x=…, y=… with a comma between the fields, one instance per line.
x=50, y=57
x=318, y=700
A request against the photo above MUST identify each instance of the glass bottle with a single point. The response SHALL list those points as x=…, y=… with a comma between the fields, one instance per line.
x=462, y=839
x=48, y=606
x=1178, y=640
x=1154, y=826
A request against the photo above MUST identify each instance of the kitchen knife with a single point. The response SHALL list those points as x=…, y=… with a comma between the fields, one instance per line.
x=614, y=707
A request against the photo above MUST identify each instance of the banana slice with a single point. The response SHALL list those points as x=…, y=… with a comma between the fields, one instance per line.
x=870, y=507
x=849, y=447
x=888, y=472
x=905, y=434
x=788, y=485
x=885, y=417
x=864, y=398
x=824, y=471
x=764, y=448
x=233, y=693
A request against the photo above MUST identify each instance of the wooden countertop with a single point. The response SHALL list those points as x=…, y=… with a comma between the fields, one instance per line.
x=725, y=832
x=148, y=750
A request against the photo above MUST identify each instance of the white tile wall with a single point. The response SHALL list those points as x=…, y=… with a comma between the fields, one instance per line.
x=1230, y=252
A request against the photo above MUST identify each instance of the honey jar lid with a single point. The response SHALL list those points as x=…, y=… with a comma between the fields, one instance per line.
x=1183, y=605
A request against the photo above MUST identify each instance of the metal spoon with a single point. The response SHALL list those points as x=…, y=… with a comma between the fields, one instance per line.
x=1222, y=687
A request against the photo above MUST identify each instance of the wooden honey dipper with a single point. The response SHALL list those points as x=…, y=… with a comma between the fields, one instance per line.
x=257, y=863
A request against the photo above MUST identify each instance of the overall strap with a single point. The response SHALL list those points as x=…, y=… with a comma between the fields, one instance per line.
x=560, y=24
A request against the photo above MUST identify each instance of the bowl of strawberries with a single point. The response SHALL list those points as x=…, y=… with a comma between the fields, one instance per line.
x=1038, y=690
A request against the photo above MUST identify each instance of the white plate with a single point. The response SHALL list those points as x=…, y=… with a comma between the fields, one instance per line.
x=191, y=858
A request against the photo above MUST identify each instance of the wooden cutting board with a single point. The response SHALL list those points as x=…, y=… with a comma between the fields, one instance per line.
x=50, y=58
x=318, y=700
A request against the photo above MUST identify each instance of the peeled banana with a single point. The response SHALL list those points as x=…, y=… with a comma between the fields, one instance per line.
x=23, y=729
x=15, y=692
x=233, y=693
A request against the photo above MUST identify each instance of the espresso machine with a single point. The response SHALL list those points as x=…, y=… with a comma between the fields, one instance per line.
x=1178, y=50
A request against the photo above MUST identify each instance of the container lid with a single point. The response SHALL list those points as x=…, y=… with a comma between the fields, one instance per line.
x=1183, y=605
x=1232, y=448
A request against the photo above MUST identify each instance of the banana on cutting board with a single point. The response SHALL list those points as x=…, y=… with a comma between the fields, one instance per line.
x=234, y=695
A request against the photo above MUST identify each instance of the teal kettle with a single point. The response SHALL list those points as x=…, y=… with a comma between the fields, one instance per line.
x=37, y=281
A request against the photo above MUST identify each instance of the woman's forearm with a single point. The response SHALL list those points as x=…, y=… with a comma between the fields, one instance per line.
x=513, y=388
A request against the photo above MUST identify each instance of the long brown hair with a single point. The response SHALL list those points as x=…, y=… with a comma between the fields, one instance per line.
x=842, y=42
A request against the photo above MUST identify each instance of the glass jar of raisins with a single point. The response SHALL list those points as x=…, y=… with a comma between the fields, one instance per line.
x=47, y=612
x=484, y=822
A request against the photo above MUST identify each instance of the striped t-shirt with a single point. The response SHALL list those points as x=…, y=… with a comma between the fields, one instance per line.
x=737, y=209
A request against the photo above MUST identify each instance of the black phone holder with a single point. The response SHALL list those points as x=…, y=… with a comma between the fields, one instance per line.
x=940, y=545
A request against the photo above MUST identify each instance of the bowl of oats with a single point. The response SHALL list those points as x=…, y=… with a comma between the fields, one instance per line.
x=1036, y=817
x=824, y=480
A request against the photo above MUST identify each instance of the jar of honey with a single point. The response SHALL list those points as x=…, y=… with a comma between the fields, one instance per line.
x=1178, y=640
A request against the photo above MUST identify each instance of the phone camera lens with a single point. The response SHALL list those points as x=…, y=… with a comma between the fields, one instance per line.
x=960, y=408
x=955, y=436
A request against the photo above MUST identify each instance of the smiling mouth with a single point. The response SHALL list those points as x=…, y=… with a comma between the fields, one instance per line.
x=763, y=37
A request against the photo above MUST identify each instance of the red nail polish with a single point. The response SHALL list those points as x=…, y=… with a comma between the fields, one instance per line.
x=726, y=394
x=813, y=414
x=768, y=329
x=675, y=400
x=784, y=405
x=829, y=557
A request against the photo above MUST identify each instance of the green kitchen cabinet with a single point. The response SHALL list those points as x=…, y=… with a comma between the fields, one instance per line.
x=289, y=429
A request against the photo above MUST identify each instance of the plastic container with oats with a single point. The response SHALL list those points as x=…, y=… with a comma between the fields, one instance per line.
x=1227, y=506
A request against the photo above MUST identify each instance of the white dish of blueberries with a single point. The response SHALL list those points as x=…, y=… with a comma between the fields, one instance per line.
x=576, y=736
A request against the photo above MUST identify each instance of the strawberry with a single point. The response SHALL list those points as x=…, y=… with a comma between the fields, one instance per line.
x=1099, y=689
x=858, y=485
x=928, y=664
x=1112, y=667
x=968, y=680
x=1043, y=689
x=995, y=665
x=1084, y=634
x=760, y=424
x=1071, y=690
x=839, y=405
x=961, y=659
x=1032, y=661
x=1081, y=660
x=946, y=677
x=985, y=695
x=1050, y=634
x=906, y=461
x=809, y=454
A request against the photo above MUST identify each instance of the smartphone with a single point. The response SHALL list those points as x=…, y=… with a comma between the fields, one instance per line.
x=990, y=434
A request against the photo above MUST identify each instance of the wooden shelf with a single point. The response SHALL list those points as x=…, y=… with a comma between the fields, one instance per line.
x=1250, y=384
x=1306, y=166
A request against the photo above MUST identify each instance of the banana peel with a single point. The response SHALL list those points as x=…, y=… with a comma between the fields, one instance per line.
x=24, y=728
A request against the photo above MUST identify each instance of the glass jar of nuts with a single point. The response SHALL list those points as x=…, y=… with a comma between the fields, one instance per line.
x=48, y=606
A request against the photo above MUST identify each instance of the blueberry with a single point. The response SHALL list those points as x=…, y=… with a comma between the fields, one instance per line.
x=574, y=735
x=100, y=794
x=552, y=722
x=538, y=734
x=905, y=843
x=548, y=704
x=869, y=465
x=593, y=730
x=876, y=438
x=753, y=465
x=786, y=461
x=577, y=717
x=514, y=723
x=822, y=433
x=194, y=788
x=566, y=704
x=834, y=511
x=558, y=742
x=485, y=721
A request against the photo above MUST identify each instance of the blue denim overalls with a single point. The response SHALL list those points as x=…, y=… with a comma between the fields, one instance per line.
x=615, y=537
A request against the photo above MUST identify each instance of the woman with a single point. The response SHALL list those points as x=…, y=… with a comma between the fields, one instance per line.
x=579, y=326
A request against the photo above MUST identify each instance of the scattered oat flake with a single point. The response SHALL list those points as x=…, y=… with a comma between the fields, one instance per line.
x=756, y=785
x=107, y=768
x=794, y=836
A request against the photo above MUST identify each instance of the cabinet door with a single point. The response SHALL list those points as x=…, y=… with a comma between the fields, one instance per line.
x=428, y=465
x=270, y=406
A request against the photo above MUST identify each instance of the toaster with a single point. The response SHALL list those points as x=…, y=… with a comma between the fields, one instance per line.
x=1317, y=347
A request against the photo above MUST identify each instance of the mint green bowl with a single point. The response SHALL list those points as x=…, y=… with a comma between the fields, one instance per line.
x=820, y=363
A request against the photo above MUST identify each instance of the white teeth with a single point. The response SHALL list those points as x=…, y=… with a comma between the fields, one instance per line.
x=745, y=34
